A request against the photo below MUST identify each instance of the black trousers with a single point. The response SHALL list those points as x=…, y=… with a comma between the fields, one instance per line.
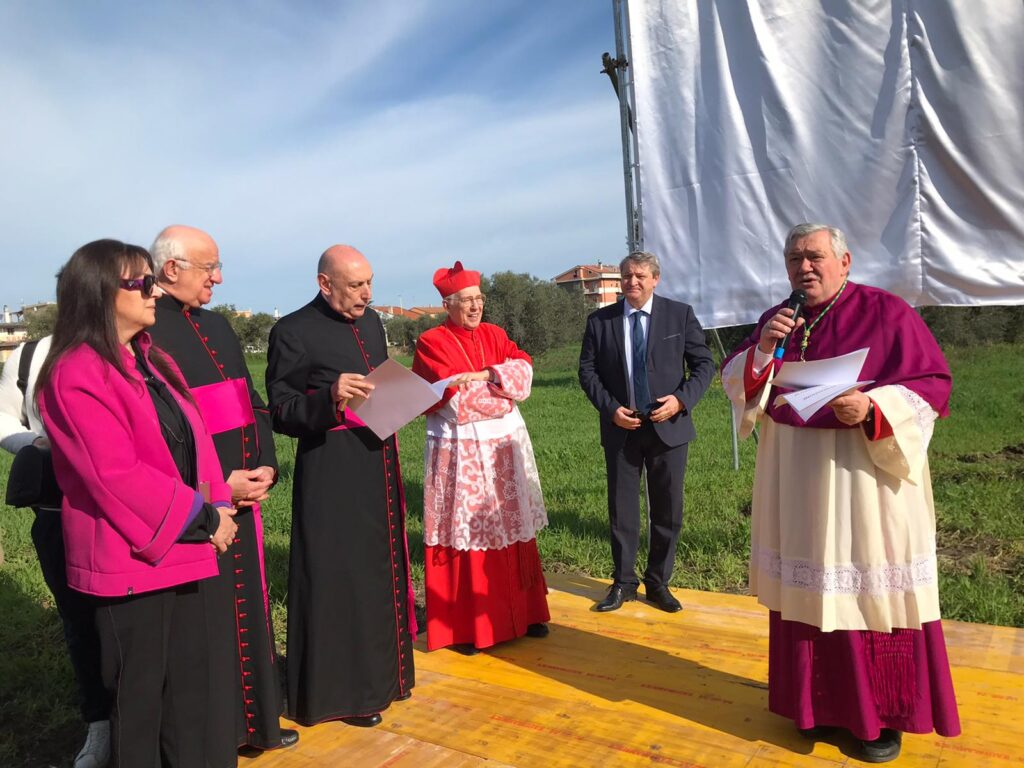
x=155, y=657
x=77, y=613
x=666, y=471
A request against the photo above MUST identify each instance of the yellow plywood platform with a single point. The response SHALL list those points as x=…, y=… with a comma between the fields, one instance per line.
x=639, y=687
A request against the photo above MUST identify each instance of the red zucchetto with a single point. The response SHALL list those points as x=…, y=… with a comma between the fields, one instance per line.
x=449, y=281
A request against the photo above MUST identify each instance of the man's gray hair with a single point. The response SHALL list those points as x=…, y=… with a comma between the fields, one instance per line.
x=835, y=235
x=165, y=248
x=642, y=259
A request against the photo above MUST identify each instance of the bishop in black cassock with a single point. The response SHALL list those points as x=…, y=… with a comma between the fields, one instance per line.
x=246, y=685
x=350, y=619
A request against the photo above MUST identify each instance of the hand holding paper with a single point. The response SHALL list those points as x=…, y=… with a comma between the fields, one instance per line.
x=399, y=396
x=818, y=382
x=351, y=385
x=851, y=408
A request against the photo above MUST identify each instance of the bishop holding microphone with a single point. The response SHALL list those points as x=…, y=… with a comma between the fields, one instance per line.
x=843, y=531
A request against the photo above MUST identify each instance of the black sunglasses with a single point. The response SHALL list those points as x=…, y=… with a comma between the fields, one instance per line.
x=143, y=284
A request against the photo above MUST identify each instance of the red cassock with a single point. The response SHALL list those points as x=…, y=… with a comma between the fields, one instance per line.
x=482, y=499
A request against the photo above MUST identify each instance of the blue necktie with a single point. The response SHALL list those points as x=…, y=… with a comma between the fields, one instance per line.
x=641, y=391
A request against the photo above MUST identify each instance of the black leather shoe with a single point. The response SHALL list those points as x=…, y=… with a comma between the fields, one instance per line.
x=363, y=721
x=883, y=749
x=466, y=649
x=537, y=630
x=662, y=598
x=405, y=696
x=617, y=595
x=289, y=737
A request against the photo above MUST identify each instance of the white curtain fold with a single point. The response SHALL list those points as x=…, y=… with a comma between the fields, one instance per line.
x=901, y=121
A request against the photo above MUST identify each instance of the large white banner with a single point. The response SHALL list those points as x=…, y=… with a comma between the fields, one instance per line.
x=899, y=121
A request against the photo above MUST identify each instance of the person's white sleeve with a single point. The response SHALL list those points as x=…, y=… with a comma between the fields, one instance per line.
x=760, y=362
x=13, y=433
x=912, y=420
x=746, y=413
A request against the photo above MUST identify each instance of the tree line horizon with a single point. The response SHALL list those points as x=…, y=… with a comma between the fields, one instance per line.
x=540, y=316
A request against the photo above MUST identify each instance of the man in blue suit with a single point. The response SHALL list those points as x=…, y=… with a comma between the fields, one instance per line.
x=644, y=365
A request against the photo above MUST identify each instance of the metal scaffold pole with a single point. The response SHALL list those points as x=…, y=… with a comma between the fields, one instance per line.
x=620, y=73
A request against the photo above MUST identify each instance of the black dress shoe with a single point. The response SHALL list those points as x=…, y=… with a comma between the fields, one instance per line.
x=662, y=598
x=883, y=749
x=617, y=595
x=538, y=630
x=405, y=696
x=363, y=721
x=289, y=737
x=466, y=649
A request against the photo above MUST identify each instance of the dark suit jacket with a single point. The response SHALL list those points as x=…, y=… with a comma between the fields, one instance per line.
x=674, y=337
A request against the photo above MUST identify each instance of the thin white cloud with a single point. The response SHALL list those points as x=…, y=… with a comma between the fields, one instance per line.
x=256, y=126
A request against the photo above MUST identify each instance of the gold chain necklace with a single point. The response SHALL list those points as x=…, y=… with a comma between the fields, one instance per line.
x=808, y=328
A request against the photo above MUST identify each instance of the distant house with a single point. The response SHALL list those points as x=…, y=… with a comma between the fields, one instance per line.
x=427, y=311
x=390, y=311
x=406, y=335
x=13, y=330
x=599, y=283
x=28, y=309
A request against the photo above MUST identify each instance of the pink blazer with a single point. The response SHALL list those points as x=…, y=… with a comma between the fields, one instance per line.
x=125, y=504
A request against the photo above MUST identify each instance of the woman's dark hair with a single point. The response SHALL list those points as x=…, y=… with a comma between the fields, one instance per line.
x=87, y=289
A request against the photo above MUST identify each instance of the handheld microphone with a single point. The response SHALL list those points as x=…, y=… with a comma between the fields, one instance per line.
x=797, y=299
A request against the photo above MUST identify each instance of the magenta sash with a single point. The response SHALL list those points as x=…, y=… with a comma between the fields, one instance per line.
x=257, y=519
x=225, y=405
x=349, y=421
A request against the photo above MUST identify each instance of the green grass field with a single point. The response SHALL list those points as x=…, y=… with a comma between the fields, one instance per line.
x=977, y=459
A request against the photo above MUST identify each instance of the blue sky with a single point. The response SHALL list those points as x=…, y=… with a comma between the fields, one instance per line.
x=420, y=131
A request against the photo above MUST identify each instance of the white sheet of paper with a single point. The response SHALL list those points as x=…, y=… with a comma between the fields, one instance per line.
x=844, y=369
x=818, y=382
x=807, y=402
x=399, y=396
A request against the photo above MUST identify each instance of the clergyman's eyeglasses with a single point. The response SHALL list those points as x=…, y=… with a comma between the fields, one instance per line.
x=207, y=268
x=142, y=284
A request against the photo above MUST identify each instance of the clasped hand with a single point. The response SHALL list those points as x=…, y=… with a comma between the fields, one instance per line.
x=223, y=537
x=463, y=380
x=250, y=486
x=670, y=406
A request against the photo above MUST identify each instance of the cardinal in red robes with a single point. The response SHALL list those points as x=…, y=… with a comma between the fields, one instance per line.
x=482, y=501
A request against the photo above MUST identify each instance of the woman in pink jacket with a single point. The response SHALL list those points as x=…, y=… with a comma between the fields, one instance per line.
x=146, y=509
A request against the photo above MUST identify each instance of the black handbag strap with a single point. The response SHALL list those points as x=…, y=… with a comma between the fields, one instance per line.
x=23, y=365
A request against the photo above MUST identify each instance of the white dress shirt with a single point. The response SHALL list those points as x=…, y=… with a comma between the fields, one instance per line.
x=645, y=321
